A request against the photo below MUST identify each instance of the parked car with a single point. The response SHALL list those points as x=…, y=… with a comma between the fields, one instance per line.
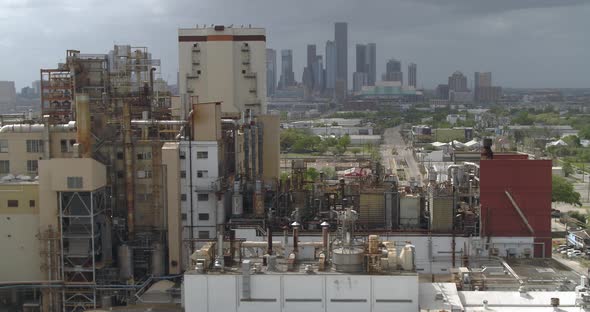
x=575, y=253
x=555, y=213
x=561, y=248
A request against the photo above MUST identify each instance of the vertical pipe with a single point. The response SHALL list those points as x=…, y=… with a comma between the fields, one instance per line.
x=325, y=228
x=157, y=184
x=295, y=226
x=269, y=235
x=129, y=176
x=83, y=124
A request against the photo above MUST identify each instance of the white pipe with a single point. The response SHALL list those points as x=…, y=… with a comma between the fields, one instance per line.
x=25, y=128
x=158, y=122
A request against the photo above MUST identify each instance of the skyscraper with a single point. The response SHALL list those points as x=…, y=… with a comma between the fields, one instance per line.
x=318, y=74
x=482, y=80
x=372, y=63
x=483, y=89
x=412, y=70
x=360, y=77
x=359, y=80
x=458, y=82
x=309, y=75
x=311, y=54
x=341, y=38
x=361, y=58
x=393, y=71
x=287, y=74
x=271, y=71
x=330, y=65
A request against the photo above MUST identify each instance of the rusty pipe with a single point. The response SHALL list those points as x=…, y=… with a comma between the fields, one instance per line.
x=129, y=177
x=83, y=124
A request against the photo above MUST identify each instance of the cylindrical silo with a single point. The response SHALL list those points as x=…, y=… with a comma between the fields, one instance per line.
x=125, y=260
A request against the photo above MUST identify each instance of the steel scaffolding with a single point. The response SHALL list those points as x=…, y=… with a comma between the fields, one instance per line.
x=81, y=246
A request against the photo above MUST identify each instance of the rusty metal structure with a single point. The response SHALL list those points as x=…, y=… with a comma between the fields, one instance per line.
x=122, y=120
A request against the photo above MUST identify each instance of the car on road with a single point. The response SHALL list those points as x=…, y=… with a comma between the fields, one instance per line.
x=575, y=253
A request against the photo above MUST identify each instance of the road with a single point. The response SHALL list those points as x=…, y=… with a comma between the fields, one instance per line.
x=404, y=159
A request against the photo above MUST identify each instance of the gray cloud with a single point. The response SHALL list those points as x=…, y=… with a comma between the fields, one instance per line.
x=526, y=43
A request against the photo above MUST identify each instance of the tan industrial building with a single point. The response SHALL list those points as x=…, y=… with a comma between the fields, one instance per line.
x=224, y=64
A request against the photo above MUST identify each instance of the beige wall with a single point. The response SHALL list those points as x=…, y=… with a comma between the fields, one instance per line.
x=171, y=164
x=17, y=148
x=206, y=123
x=221, y=62
x=53, y=174
x=18, y=233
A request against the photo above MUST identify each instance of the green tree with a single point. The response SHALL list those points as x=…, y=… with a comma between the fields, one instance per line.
x=567, y=168
x=312, y=174
x=339, y=150
x=572, y=141
x=563, y=192
x=355, y=151
x=344, y=141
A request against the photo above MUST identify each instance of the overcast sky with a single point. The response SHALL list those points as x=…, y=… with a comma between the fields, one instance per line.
x=525, y=43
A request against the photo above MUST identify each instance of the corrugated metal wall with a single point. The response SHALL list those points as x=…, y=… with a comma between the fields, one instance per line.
x=529, y=183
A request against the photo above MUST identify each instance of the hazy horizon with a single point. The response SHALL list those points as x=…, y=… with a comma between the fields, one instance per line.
x=525, y=43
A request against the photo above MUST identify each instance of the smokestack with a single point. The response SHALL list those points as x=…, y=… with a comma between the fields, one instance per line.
x=295, y=226
x=83, y=124
x=325, y=228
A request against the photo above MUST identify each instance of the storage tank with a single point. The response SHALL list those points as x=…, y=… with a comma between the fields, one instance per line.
x=157, y=260
x=409, y=214
x=406, y=257
x=125, y=260
x=348, y=259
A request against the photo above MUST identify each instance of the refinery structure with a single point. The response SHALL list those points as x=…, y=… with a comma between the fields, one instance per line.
x=123, y=196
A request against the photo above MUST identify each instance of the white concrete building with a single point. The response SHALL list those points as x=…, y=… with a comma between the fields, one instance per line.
x=199, y=190
x=274, y=292
x=224, y=64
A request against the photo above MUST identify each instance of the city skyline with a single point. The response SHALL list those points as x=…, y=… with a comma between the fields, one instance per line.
x=513, y=40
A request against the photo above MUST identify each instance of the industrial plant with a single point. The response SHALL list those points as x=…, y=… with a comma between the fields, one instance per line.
x=121, y=195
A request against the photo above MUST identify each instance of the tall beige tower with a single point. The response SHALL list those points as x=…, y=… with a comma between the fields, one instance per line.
x=224, y=64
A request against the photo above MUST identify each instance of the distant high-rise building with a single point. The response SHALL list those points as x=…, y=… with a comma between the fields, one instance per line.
x=311, y=54
x=361, y=58
x=442, y=91
x=36, y=85
x=359, y=80
x=318, y=74
x=7, y=96
x=211, y=66
x=341, y=39
x=309, y=73
x=331, y=63
x=458, y=82
x=483, y=89
x=482, y=79
x=271, y=71
x=372, y=63
x=287, y=75
x=393, y=71
x=412, y=71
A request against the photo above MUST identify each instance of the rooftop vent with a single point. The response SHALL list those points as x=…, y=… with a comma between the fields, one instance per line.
x=219, y=27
